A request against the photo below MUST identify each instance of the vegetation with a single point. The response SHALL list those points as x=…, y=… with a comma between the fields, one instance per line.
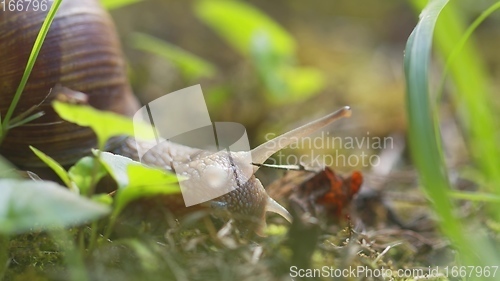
x=72, y=231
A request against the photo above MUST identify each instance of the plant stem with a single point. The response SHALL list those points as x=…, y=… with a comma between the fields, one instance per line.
x=95, y=168
x=73, y=257
x=112, y=221
x=93, y=236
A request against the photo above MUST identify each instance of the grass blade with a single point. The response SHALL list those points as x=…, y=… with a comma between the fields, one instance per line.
x=29, y=66
x=425, y=143
x=472, y=93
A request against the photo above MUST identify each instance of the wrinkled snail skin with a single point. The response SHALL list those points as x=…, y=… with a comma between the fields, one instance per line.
x=82, y=52
x=246, y=203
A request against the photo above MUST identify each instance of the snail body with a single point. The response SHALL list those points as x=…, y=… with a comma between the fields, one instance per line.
x=246, y=199
x=82, y=52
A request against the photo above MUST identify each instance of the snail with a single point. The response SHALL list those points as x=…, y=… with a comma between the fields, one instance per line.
x=82, y=52
x=247, y=198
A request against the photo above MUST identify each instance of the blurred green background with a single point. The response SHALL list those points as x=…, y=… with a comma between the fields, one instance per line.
x=356, y=55
x=305, y=60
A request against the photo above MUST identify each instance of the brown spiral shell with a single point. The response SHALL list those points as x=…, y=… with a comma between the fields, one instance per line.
x=81, y=52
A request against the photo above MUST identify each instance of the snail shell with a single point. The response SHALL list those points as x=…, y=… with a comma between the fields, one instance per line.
x=81, y=52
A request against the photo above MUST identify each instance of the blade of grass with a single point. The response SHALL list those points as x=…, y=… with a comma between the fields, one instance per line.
x=463, y=40
x=56, y=167
x=472, y=94
x=29, y=66
x=475, y=196
x=425, y=142
x=26, y=120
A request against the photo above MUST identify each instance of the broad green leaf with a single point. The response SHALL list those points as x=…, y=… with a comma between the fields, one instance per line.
x=145, y=182
x=27, y=205
x=115, y=4
x=105, y=124
x=116, y=165
x=127, y=172
x=56, y=167
x=238, y=23
x=85, y=173
x=191, y=66
x=140, y=175
x=135, y=181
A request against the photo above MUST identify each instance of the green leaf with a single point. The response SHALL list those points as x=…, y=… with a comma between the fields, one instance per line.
x=135, y=181
x=115, y=4
x=285, y=82
x=85, y=173
x=145, y=182
x=105, y=124
x=238, y=23
x=116, y=165
x=267, y=44
x=58, y=169
x=141, y=176
x=28, y=205
x=192, y=67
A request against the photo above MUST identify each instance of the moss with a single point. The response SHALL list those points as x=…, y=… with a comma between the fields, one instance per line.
x=32, y=256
